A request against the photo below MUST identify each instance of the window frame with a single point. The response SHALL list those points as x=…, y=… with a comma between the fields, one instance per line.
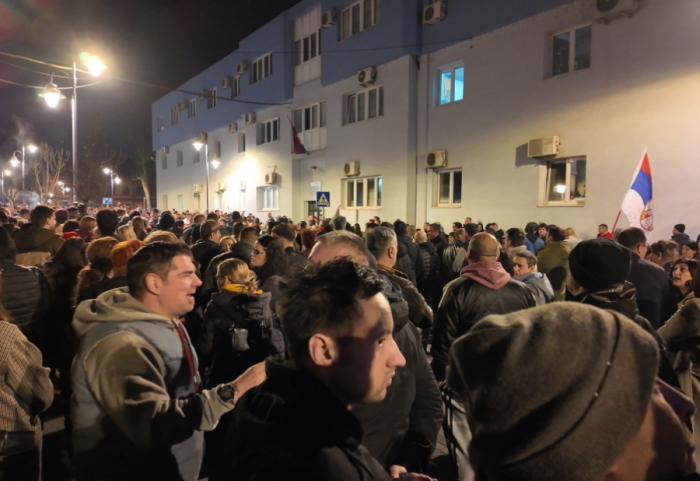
x=160, y=124
x=451, y=203
x=260, y=64
x=164, y=162
x=374, y=20
x=545, y=179
x=319, y=106
x=196, y=159
x=438, y=94
x=354, y=181
x=263, y=192
x=264, y=132
x=211, y=99
x=192, y=108
x=572, y=50
x=174, y=116
x=354, y=98
x=236, y=87
x=180, y=159
x=241, y=142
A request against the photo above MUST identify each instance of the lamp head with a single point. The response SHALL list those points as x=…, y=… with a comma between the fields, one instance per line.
x=215, y=163
x=117, y=180
x=197, y=144
x=95, y=66
x=67, y=189
x=107, y=171
x=32, y=148
x=52, y=95
x=7, y=172
x=14, y=161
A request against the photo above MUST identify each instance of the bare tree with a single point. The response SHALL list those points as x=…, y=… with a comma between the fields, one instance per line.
x=12, y=195
x=50, y=165
x=94, y=157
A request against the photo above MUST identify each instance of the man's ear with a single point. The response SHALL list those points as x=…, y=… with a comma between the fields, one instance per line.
x=153, y=283
x=323, y=351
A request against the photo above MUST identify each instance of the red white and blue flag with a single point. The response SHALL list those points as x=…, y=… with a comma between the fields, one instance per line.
x=638, y=204
x=298, y=146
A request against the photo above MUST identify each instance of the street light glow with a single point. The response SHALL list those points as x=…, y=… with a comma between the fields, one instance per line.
x=7, y=172
x=117, y=180
x=106, y=171
x=197, y=144
x=14, y=161
x=52, y=95
x=32, y=148
x=67, y=189
x=95, y=66
x=215, y=163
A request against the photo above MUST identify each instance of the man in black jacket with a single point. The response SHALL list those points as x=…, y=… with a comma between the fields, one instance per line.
x=241, y=250
x=286, y=235
x=419, y=272
x=428, y=287
x=650, y=280
x=401, y=431
x=437, y=237
x=679, y=236
x=208, y=246
x=299, y=423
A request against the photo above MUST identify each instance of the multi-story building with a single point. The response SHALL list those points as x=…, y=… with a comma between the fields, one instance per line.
x=425, y=112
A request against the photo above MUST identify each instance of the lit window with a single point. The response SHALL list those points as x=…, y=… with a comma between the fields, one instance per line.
x=451, y=85
x=359, y=17
x=449, y=188
x=268, y=131
x=565, y=182
x=365, y=105
x=262, y=68
x=363, y=193
x=571, y=50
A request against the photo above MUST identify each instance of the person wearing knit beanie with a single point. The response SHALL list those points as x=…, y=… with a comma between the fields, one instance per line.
x=569, y=392
x=597, y=264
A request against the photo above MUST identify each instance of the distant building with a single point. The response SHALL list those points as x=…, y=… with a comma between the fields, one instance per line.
x=439, y=128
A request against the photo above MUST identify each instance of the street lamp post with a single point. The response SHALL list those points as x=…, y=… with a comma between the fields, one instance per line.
x=52, y=95
x=114, y=179
x=2, y=181
x=198, y=143
x=15, y=161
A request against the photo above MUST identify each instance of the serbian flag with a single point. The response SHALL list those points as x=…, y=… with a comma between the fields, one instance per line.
x=298, y=146
x=638, y=204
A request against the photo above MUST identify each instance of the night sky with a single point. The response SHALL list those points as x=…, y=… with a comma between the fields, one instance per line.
x=163, y=42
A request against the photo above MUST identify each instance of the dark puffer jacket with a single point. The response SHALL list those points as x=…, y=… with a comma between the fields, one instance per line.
x=229, y=311
x=26, y=294
x=429, y=286
x=413, y=251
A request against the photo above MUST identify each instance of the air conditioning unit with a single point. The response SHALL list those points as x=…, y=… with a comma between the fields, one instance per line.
x=203, y=95
x=351, y=168
x=547, y=147
x=250, y=118
x=436, y=159
x=198, y=189
x=165, y=150
x=222, y=186
x=233, y=128
x=367, y=76
x=182, y=105
x=201, y=138
x=242, y=67
x=328, y=18
x=242, y=185
x=226, y=83
x=608, y=10
x=271, y=178
x=435, y=12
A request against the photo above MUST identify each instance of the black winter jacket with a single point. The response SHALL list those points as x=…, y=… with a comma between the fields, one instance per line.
x=294, y=427
x=234, y=310
x=653, y=291
x=26, y=294
x=413, y=251
x=681, y=240
x=440, y=243
x=429, y=286
x=403, y=428
x=404, y=264
x=464, y=303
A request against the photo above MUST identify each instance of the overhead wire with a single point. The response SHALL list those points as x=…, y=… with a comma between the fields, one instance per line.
x=43, y=86
x=35, y=71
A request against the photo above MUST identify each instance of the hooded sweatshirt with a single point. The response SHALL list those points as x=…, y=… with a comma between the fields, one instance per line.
x=489, y=274
x=539, y=285
x=135, y=411
x=36, y=245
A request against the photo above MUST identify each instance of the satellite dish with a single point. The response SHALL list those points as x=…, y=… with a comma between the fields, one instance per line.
x=605, y=6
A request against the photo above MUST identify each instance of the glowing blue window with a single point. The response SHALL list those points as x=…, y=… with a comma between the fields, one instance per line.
x=451, y=85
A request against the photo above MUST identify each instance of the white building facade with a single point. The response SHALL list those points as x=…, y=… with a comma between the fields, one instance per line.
x=607, y=90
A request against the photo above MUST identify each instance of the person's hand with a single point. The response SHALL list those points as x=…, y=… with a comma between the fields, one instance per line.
x=400, y=473
x=249, y=379
x=251, y=275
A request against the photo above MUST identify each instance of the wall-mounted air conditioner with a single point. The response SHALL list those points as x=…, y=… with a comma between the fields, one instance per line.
x=435, y=12
x=546, y=147
x=165, y=150
x=367, y=76
x=328, y=18
x=271, y=178
x=222, y=186
x=242, y=185
x=198, y=189
x=250, y=118
x=233, y=128
x=203, y=95
x=201, y=138
x=351, y=169
x=608, y=10
x=242, y=67
x=226, y=83
x=436, y=159
x=182, y=105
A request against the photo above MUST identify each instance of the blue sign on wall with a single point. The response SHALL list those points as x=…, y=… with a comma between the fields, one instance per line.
x=107, y=200
x=323, y=199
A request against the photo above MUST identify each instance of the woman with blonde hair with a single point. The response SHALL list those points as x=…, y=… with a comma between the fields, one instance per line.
x=226, y=243
x=126, y=233
x=571, y=237
x=139, y=226
x=88, y=224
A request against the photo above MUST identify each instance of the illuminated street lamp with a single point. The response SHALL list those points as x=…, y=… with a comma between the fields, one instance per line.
x=201, y=141
x=14, y=161
x=53, y=95
x=114, y=178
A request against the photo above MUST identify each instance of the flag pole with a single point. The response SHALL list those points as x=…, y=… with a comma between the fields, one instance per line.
x=618, y=218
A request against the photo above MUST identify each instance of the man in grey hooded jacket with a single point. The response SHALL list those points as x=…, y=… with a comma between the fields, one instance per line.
x=525, y=268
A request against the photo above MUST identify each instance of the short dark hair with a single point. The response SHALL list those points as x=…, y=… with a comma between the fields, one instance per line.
x=529, y=257
x=155, y=258
x=543, y=225
x=692, y=245
x=70, y=226
x=8, y=250
x=556, y=233
x=213, y=216
x=379, y=240
x=400, y=227
x=40, y=215
x=516, y=237
x=603, y=225
x=471, y=229
x=72, y=209
x=249, y=235
x=458, y=224
x=285, y=232
x=436, y=227
x=107, y=221
x=632, y=237
x=271, y=225
x=339, y=222
x=507, y=263
x=24, y=211
x=197, y=218
x=324, y=300
x=531, y=228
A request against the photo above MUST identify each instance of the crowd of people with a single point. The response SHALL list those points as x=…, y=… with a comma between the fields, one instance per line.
x=186, y=345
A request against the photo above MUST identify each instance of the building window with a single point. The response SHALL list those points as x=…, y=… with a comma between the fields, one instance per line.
x=159, y=124
x=235, y=87
x=365, y=105
x=449, y=188
x=269, y=197
x=195, y=156
x=174, y=116
x=268, y=131
x=451, y=85
x=126, y=190
x=310, y=124
x=179, y=158
x=164, y=162
x=306, y=49
x=363, y=193
x=565, y=182
x=192, y=109
x=359, y=17
x=165, y=203
x=181, y=202
x=262, y=68
x=218, y=149
x=241, y=143
x=571, y=50
x=211, y=99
